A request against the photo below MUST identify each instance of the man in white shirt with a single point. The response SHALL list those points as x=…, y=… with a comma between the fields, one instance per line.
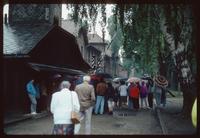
x=62, y=104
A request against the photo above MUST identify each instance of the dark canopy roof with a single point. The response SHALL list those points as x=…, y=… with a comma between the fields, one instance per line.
x=19, y=39
x=59, y=48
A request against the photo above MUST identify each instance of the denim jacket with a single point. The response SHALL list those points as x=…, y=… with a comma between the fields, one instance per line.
x=32, y=89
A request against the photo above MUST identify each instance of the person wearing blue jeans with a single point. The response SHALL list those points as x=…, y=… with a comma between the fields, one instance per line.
x=101, y=90
x=99, y=107
x=159, y=87
x=33, y=93
x=157, y=95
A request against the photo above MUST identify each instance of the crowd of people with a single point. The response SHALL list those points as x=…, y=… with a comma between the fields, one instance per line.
x=87, y=98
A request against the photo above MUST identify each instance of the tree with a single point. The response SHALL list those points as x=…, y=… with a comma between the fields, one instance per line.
x=176, y=23
x=167, y=31
x=155, y=38
x=87, y=14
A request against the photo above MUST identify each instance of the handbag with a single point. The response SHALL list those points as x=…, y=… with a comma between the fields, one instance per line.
x=74, y=115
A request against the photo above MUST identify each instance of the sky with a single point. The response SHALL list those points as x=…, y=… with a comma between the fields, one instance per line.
x=5, y=9
x=98, y=27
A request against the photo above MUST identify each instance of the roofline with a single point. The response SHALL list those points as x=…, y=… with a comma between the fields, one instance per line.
x=40, y=67
x=16, y=56
x=99, y=43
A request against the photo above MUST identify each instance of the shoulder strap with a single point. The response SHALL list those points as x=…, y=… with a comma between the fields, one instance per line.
x=72, y=101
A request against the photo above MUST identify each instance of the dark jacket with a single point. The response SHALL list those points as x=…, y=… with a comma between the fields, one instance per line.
x=101, y=88
x=110, y=92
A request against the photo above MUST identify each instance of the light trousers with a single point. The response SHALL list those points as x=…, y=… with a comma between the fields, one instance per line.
x=144, y=100
x=33, y=103
x=158, y=98
x=87, y=115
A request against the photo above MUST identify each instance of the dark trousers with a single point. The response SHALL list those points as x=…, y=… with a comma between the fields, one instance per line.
x=106, y=104
x=122, y=99
x=150, y=100
x=135, y=103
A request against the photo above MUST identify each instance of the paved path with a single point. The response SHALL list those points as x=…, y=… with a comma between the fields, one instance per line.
x=143, y=122
x=172, y=121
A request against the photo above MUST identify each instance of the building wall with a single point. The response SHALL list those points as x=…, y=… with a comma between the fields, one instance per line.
x=82, y=47
x=72, y=28
x=121, y=72
x=34, y=13
x=108, y=65
x=16, y=75
x=16, y=72
x=92, y=52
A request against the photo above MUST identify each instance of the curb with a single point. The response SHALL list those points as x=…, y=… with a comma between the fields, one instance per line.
x=162, y=124
x=16, y=121
x=25, y=118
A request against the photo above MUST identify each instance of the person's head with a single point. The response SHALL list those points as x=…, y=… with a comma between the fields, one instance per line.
x=122, y=82
x=101, y=79
x=109, y=84
x=65, y=84
x=143, y=83
x=86, y=78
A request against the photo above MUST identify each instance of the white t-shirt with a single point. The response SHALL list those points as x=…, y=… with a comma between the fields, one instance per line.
x=123, y=90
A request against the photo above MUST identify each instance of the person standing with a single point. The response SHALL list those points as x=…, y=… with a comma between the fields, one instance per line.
x=130, y=102
x=100, y=92
x=150, y=93
x=123, y=94
x=33, y=93
x=163, y=97
x=86, y=97
x=143, y=95
x=110, y=94
x=62, y=104
x=160, y=85
x=116, y=95
x=134, y=95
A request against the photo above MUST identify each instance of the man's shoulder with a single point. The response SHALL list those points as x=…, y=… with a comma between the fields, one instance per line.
x=79, y=85
x=101, y=83
x=73, y=92
x=84, y=85
x=56, y=93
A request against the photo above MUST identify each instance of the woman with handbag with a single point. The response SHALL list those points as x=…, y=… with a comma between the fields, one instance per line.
x=64, y=104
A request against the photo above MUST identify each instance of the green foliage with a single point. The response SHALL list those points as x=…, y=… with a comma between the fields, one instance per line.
x=136, y=29
x=115, y=32
x=87, y=14
x=141, y=33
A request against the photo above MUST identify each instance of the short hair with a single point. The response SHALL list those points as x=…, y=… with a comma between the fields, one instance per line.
x=65, y=84
x=86, y=78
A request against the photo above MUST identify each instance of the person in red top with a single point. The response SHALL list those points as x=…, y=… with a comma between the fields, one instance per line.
x=134, y=95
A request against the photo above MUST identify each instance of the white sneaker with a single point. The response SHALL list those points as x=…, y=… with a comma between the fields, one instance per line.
x=33, y=113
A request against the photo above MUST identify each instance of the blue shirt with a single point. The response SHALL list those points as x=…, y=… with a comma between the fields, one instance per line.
x=31, y=89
